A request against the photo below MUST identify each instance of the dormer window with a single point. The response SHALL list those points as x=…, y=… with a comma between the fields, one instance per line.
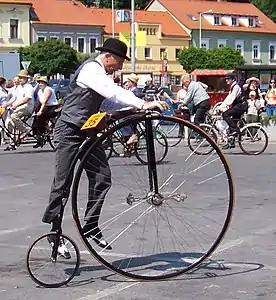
x=251, y=22
x=234, y=21
x=217, y=20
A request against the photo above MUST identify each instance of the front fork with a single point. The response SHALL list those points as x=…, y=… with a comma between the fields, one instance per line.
x=153, y=180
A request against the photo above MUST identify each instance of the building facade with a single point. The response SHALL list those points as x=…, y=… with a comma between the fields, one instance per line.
x=158, y=55
x=68, y=21
x=14, y=25
x=240, y=26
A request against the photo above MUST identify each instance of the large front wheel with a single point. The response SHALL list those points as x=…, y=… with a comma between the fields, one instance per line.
x=153, y=234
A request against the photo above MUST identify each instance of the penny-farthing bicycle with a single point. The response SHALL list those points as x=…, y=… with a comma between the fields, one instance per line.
x=160, y=220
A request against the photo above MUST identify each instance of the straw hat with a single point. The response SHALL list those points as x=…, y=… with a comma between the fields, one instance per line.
x=23, y=73
x=42, y=78
x=252, y=79
x=133, y=78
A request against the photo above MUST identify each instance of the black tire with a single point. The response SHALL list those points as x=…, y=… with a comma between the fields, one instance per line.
x=70, y=271
x=51, y=143
x=243, y=138
x=160, y=140
x=108, y=147
x=196, y=143
x=172, y=139
x=117, y=266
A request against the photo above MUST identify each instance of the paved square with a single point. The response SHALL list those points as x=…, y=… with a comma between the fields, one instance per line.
x=242, y=268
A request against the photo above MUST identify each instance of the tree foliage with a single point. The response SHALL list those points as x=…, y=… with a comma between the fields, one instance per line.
x=50, y=57
x=268, y=7
x=197, y=58
x=124, y=4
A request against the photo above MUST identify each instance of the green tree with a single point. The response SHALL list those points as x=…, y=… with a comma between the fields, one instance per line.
x=197, y=58
x=50, y=57
x=268, y=7
x=83, y=57
x=124, y=4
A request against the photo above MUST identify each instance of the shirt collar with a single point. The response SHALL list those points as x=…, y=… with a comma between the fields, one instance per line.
x=99, y=61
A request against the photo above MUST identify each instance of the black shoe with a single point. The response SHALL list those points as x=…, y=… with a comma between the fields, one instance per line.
x=96, y=235
x=10, y=148
x=228, y=146
x=62, y=249
x=37, y=145
x=234, y=133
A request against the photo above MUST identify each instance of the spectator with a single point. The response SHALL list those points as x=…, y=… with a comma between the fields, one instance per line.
x=150, y=90
x=132, y=81
x=270, y=98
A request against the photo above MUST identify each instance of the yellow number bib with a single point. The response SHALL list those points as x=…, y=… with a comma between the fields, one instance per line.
x=2, y=110
x=93, y=121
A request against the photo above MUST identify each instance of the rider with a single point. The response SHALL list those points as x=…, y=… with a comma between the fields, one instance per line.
x=89, y=86
x=197, y=94
x=22, y=104
x=47, y=104
x=233, y=107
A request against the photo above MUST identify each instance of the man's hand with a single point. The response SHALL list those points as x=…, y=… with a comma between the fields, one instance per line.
x=159, y=105
x=14, y=105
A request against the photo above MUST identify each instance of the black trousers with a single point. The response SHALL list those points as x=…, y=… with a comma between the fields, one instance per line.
x=69, y=138
x=233, y=114
x=200, y=111
x=39, y=125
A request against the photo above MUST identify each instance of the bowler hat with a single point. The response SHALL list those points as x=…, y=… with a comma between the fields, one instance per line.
x=116, y=47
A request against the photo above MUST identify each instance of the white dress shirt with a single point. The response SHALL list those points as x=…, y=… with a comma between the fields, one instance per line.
x=235, y=91
x=93, y=76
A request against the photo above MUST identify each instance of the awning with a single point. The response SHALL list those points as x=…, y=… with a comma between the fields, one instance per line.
x=206, y=72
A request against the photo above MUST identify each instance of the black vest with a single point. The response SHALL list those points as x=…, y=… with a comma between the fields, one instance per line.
x=80, y=103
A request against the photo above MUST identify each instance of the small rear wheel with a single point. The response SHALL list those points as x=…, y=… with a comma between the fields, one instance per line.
x=50, y=270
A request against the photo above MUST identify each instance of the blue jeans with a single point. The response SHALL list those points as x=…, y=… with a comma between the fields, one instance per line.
x=270, y=110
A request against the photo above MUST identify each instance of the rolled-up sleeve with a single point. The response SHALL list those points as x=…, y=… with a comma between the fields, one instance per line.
x=93, y=76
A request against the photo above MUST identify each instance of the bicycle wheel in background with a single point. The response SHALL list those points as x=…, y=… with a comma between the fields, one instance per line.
x=47, y=271
x=174, y=133
x=253, y=139
x=154, y=240
x=160, y=145
x=198, y=144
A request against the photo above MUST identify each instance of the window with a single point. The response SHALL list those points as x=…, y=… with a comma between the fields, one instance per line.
x=68, y=41
x=53, y=38
x=272, y=51
x=239, y=45
x=251, y=22
x=234, y=21
x=14, y=24
x=148, y=53
x=222, y=43
x=149, y=31
x=92, y=45
x=217, y=20
x=163, y=53
x=81, y=45
x=41, y=39
x=177, y=52
x=205, y=43
x=256, y=50
x=175, y=80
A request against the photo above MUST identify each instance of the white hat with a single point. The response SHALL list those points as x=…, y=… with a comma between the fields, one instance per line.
x=133, y=78
x=253, y=79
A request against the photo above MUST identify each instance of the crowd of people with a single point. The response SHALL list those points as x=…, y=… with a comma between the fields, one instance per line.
x=20, y=100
